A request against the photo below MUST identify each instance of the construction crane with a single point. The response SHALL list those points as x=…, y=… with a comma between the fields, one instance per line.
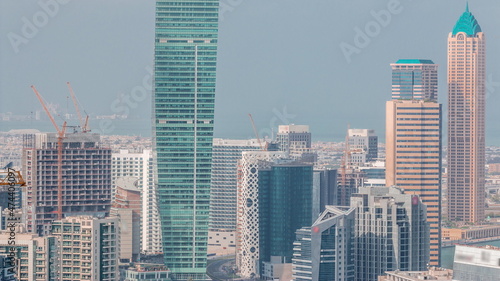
x=345, y=163
x=255, y=131
x=60, y=137
x=84, y=125
x=11, y=177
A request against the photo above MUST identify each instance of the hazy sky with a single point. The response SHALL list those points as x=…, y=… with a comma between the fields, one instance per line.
x=281, y=60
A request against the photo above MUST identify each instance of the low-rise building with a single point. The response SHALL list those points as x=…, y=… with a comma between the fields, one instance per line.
x=147, y=272
x=476, y=263
x=471, y=232
x=434, y=273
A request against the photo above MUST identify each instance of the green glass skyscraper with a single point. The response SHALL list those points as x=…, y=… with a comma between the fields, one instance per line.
x=183, y=108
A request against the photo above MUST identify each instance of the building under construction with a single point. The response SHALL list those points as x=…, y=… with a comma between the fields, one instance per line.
x=86, y=178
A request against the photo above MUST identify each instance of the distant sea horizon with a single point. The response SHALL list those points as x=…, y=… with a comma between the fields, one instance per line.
x=143, y=128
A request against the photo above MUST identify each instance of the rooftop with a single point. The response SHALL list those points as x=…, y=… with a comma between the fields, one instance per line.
x=467, y=23
x=414, y=61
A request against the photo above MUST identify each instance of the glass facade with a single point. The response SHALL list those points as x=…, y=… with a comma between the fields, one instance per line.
x=183, y=108
x=414, y=79
x=324, y=251
x=285, y=205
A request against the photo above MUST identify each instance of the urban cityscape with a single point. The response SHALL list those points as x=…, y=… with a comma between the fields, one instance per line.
x=86, y=194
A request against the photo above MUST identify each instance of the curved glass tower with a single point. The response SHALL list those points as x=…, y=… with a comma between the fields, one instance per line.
x=183, y=108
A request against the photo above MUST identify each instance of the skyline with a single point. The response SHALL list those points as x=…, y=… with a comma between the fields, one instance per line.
x=408, y=202
x=285, y=75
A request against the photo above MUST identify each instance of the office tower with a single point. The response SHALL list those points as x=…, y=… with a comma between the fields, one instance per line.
x=223, y=193
x=248, y=236
x=183, y=108
x=391, y=232
x=86, y=188
x=32, y=256
x=363, y=146
x=324, y=251
x=413, y=158
x=87, y=249
x=139, y=164
x=476, y=263
x=383, y=229
x=127, y=205
x=413, y=139
x=414, y=79
x=325, y=185
x=466, y=120
x=285, y=205
x=296, y=141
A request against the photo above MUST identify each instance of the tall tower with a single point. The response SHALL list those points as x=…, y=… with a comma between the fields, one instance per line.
x=413, y=158
x=413, y=140
x=183, y=108
x=466, y=120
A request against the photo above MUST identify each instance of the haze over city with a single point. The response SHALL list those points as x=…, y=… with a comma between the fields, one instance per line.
x=249, y=140
x=279, y=60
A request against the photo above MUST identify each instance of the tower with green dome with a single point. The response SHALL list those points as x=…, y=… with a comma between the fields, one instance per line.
x=466, y=120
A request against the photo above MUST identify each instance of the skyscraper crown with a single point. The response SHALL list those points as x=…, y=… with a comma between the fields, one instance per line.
x=467, y=23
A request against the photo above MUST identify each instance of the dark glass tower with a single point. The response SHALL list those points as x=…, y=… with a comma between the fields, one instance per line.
x=285, y=205
x=183, y=108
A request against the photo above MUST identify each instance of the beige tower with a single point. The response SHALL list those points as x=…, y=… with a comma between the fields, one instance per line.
x=466, y=120
x=413, y=158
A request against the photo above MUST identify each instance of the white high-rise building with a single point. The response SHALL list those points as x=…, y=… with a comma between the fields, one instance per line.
x=140, y=165
x=223, y=193
x=247, y=243
x=294, y=139
x=363, y=146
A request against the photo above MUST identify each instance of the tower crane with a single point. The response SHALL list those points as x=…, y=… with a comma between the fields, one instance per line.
x=60, y=137
x=83, y=124
x=255, y=131
x=10, y=177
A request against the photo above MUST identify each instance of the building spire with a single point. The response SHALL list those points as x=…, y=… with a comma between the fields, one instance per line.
x=467, y=23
